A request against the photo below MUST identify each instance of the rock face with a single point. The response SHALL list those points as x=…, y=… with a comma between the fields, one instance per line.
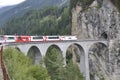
x=114, y=53
x=100, y=21
x=99, y=62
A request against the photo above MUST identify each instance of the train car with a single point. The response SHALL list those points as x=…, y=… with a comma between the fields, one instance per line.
x=37, y=38
x=53, y=38
x=23, y=39
x=69, y=38
x=7, y=38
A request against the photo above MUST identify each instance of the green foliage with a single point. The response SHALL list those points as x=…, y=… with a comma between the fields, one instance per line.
x=72, y=69
x=20, y=66
x=116, y=3
x=92, y=76
x=73, y=72
x=38, y=72
x=54, y=64
x=47, y=21
x=17, y=66
x=68, y=56
x=1, y=32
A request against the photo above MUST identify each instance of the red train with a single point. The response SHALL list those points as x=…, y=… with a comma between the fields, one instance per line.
x=24, y=38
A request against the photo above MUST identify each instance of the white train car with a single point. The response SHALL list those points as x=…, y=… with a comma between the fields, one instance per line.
x=52, y=38
x=37, y=38
x=7, y=38
x=69, y=38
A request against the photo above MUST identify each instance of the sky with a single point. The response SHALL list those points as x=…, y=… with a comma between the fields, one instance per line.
x=4, y=3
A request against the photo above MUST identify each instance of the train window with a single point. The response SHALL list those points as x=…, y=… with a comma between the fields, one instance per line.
x=19, y=38
x=38, y=37
x=10, y=38
x=54, y=37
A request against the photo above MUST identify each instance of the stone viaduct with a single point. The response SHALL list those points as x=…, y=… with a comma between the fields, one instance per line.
x=40, y=49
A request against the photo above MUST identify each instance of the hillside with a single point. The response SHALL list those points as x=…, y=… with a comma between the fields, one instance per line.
x=8, y=12
x=47, y=21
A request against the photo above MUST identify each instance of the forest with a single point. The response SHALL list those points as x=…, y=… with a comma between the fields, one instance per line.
x=21, y=67
x=46, y=21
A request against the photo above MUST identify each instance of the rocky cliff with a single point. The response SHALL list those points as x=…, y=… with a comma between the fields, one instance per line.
x=101, y=20
x=98, y=21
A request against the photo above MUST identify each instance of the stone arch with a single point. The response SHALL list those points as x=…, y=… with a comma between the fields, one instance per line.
x=35, y=54
x=98, y=60
x=55, y=46
x=49, y=53
x=79, y=54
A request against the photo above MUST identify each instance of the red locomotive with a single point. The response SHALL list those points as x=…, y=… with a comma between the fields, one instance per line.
x=23, y=38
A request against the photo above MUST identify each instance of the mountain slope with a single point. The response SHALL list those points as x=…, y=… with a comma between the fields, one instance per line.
x=47, y=21
x=26, y=6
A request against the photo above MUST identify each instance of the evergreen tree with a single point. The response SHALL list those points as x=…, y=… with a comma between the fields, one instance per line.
x=54, y=63
x=20, y=67
x=56, y=68
x=47, y=21
x=73, y=72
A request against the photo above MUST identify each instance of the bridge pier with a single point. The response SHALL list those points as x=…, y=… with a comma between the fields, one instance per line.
x=87, y=74
x=64, y=56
